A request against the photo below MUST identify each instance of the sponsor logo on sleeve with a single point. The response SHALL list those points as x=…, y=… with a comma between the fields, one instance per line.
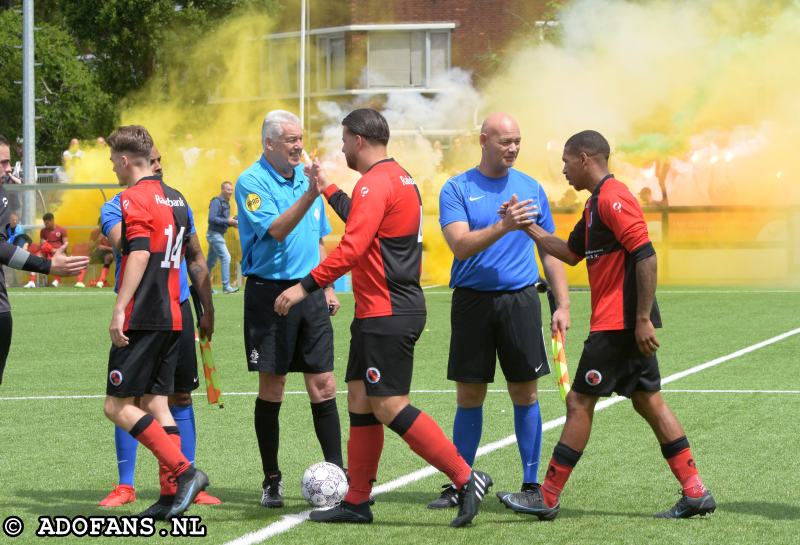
x=364, y=191
x=617, y=206
x=252, y=202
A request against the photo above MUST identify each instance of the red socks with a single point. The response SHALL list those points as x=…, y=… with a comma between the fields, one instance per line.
x=166, y=478
x=682, y=466
x=167, y=449
x=103, y=275
x=427, y=439
x=364, y=448
x=681, y=462
x=559, y=469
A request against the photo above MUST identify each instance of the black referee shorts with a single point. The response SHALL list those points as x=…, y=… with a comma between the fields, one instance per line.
x=186, y=369
x=145, y=366
x=382, y=353
x=301, y=341
x=611, y=362
x=487, y=326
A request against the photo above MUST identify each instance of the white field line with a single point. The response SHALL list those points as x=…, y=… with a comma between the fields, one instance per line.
x=303, y=392
x=288, y=522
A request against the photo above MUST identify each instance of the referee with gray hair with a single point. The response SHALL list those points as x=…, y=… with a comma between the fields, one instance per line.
x=281, y=225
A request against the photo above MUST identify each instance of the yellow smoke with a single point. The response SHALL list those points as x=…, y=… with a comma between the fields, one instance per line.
x=700, y=94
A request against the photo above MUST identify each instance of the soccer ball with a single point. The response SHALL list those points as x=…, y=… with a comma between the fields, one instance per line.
x=324, y=485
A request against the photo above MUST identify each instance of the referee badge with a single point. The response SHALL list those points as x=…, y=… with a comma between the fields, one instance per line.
x=252, y=202
x=373, y=375
x=115, y=377
x=593, y=377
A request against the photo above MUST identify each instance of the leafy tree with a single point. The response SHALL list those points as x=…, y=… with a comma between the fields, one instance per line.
x=69, y=100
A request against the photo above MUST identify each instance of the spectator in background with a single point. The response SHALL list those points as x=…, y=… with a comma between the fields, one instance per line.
x=101, y=143
x=73, y=153
x=219, y=219
x=100, y=251
x=16, y=234
x=51, y=238
x=646, y=198
x=568, y=200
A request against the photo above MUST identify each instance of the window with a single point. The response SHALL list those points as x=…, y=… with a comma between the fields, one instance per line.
x=407, y=59
x=330, y=63
x=280, y=69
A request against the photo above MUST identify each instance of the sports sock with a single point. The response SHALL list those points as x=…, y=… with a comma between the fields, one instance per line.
x=528, y=428
x=165, y=477
x=329, y=432
x=152, y=435
x=126, y=447
x=467, y=429
x=427, y=439
x=103, y=275
x=364, y=447
x=680, y=460
x=81, y=276
x=184, y=419
x=561, y=465
x=32, y=277
x=268, y=433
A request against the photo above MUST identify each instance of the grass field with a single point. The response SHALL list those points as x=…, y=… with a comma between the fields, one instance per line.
x=57, y=455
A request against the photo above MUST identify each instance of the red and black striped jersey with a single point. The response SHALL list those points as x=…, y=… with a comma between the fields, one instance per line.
x=382, y=243
x=612, y=236
x=155, y=218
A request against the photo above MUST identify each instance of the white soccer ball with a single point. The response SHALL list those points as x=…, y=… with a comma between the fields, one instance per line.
x=324, y=485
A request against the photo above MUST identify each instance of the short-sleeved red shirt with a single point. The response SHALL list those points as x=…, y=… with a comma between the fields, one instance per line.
x=612, y=236
x=55, y=236
x=155, y=218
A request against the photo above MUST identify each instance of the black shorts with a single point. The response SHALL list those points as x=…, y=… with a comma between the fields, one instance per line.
x=301, y=341
x=611, y=362
x=487, y=326
x=382, y=353
x=186, y=369
x=145, y=366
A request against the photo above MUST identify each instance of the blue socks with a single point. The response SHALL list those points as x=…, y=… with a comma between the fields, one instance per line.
x=126, y=455
x=467, y=428
x=126, y=445
x=528, y=428
x=184, y=419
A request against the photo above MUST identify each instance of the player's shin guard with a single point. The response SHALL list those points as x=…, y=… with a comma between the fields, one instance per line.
x=528, y=429
x=328, y=430
x=150, y=433
x=364, y=449
x=166, y=478
x=268, y=433
x=467, y=429
x=427, y=439
x=126, y=447
x=184, y=419
x=680, y=460
x=561, y=465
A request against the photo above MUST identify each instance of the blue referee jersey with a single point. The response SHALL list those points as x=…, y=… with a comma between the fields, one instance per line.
x=509, y=263
x=262, y=195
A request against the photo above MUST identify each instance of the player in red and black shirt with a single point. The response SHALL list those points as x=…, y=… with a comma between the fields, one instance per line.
x=620, y=353
x=382, y=245
x=146, y=322
x=51, y=238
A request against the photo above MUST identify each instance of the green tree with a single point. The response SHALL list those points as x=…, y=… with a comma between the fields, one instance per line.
x=70, y=103
x=128, y=37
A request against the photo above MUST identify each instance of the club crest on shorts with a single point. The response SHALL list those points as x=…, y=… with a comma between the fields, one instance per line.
x=593, y=377
x=373, y=375
x=115, y=377
x=254, y=356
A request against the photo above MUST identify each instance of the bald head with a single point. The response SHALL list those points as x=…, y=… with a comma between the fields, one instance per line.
x=498, y=122
x=500, y=140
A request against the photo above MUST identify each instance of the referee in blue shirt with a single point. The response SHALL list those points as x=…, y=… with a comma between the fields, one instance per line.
x=281, y=224
x=495, y=313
